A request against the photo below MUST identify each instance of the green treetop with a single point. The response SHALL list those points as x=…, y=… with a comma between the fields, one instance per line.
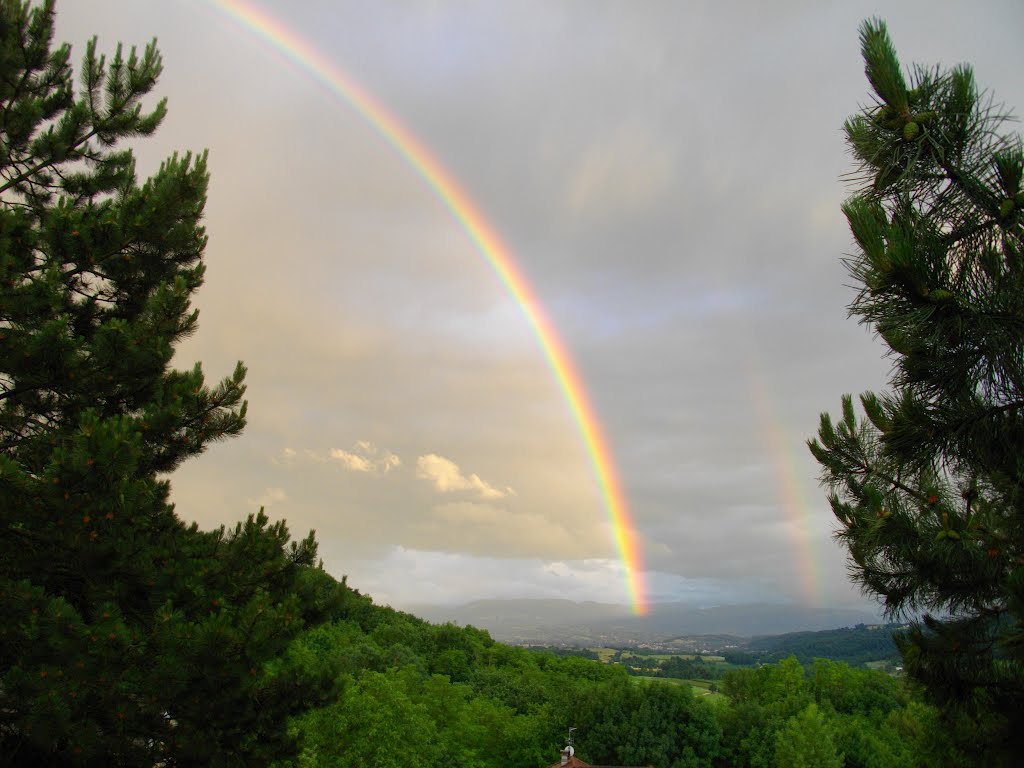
x=806, y=741
x=928, y=487
x=127, y=637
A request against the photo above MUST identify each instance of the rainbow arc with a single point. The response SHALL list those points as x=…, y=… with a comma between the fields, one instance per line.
x=497, y=255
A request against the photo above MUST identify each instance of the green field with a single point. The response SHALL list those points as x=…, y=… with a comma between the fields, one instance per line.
x=700, y=688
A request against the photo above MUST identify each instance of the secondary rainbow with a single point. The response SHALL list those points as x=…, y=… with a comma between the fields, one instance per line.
x=303, y=55
x=798, y=511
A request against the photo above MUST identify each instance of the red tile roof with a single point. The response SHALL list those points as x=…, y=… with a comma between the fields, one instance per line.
x=575, y=762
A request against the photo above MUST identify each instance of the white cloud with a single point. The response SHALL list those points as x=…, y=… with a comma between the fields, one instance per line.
x=446, y=477
x=351, y=460
x=367, y=458
x=364, y=457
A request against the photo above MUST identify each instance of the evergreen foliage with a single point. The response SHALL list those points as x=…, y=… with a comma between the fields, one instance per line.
x=928, y=486
x=128, y=638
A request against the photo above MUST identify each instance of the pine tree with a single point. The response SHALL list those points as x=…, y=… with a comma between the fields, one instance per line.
x=127, y=637
x=928, y=485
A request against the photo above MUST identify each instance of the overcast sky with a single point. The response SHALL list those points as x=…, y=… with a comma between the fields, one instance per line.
x=666, y=175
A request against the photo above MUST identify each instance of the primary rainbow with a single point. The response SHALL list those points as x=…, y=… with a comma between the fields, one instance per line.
x=306, y=57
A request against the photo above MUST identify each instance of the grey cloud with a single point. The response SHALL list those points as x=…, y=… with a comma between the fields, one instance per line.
x=666, y=177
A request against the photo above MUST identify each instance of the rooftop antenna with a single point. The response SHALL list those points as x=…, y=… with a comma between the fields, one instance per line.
x=568, y=752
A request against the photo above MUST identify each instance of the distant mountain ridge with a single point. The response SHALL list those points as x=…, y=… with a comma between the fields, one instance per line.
x=564, y=621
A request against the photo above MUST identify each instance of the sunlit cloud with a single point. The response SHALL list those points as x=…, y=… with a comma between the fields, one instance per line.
x=366, y=458
x=352, y=461
x=446, y=477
